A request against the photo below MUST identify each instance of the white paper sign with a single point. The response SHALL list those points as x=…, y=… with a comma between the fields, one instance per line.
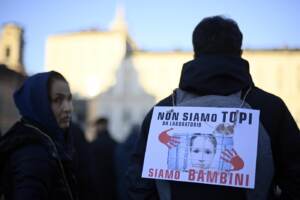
x=203, y=145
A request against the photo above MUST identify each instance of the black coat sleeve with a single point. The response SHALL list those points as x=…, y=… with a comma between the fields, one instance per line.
x=32, y=173
x=288, y=155
x=285, y=140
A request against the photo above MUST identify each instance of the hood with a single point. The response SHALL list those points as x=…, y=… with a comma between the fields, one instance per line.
x=215, y=74
x=33, y=104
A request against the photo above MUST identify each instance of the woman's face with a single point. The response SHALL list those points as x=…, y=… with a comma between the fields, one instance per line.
x=61, y=103
x=202, y=152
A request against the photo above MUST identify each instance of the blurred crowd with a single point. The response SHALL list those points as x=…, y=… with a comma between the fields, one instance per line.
x=102, y=164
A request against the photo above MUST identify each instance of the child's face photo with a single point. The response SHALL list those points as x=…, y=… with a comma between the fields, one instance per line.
x=202, y=151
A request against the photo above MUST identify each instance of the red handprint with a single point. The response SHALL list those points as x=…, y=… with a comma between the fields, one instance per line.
x=169, y=141
x=233, y=158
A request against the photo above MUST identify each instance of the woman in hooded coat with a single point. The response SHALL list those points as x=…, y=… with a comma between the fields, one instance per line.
x=36, y=153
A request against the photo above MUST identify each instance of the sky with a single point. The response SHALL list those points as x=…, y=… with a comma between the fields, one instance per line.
x=154, y=25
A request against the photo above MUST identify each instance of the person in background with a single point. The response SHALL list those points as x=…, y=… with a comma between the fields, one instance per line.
x=37, y=151
x=103, y=149
x=83, y=164
x=122, y=157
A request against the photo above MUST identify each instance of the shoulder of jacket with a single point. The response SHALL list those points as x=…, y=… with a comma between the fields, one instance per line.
x=264, y=94
x=266, y=101
x=27, y=142
x=165, y=102
x=31, y=151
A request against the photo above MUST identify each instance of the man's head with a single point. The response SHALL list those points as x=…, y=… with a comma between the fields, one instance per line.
x=101, y=125
x=217, y=35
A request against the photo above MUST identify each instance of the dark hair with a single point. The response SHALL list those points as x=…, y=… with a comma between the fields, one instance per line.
x=101, y=120
x=53, y=77
x=211, y=137
x=217, y=35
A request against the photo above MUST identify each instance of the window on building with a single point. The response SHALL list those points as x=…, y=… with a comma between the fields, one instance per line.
x=7, y=52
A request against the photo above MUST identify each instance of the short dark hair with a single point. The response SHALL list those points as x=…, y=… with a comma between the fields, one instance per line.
x=217, y=35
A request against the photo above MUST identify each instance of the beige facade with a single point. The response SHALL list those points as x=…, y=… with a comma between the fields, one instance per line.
x=12, y=73
x=11, y=47
x=278, y=72
x=90, y=60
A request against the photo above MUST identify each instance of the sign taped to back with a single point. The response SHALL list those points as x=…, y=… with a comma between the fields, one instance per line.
x=203, y=145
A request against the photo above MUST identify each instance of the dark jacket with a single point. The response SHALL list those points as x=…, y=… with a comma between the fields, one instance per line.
x=103, y=150
x=36, y=153
x=122, y=157
x=84, y=166
x=224, y=75
x=32, y=168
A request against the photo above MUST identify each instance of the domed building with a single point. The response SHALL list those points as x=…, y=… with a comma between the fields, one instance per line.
x=12, y=72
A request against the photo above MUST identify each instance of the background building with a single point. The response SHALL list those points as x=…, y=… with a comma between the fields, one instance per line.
x=125, y=103
x=119, y=79
x=11, y=47
x=12, y=72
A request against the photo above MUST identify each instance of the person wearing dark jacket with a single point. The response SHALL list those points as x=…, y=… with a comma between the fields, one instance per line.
x=218, y=69
x=36, y=153
x=103, y=150
x=122, y=157
x=83, y=164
